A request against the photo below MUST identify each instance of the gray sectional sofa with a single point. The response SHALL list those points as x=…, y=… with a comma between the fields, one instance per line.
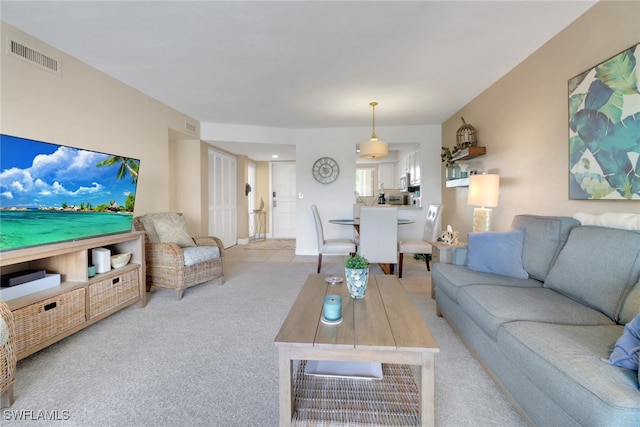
x=542, y=314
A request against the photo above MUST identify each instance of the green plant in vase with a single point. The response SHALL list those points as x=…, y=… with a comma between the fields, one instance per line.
x=447, y=158
x=356, y=261
x=356, y=269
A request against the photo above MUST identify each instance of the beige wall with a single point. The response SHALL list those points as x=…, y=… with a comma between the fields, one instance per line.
x=85, y=108
x=187, y=194
x=523, y=121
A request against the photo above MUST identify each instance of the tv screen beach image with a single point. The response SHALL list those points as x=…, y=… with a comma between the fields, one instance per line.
x=52, y=193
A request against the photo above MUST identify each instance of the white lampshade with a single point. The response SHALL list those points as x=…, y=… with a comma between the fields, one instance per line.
x=484, y=190
x=374, y=149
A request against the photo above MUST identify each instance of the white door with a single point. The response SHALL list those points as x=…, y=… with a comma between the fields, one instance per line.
x=251, y=170
x=222, y=198
x=283, y=200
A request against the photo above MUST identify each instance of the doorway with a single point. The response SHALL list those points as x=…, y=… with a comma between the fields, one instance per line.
x=283, y=200
x=222, y=197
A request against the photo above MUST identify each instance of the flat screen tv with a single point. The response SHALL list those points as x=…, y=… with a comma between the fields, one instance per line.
x=52, y=193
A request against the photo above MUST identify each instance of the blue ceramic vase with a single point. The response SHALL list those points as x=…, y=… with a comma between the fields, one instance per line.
x=357, y=279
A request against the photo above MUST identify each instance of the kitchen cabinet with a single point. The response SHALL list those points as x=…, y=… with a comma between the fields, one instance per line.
x=388, y=176
x=415, y=176
x=411, y=163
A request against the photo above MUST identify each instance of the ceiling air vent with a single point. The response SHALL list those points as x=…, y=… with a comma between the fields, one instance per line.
x=191, y=127
x=34, y=57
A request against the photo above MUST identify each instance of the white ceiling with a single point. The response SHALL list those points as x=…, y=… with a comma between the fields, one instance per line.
x=301, y=64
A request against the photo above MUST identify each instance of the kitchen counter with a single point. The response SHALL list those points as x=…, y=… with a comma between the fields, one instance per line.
x=400, y=207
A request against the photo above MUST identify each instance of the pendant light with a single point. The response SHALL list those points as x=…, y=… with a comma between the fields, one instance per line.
x=374, y=148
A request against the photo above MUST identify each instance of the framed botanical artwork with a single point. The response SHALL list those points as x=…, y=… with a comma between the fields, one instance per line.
x=604, y=130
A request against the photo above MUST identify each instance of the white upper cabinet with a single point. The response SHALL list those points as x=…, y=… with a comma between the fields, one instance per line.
x=388, y=176
x=410, y=163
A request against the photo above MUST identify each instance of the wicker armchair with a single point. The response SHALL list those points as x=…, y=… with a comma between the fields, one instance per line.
x=173, y=259
x=7, y=356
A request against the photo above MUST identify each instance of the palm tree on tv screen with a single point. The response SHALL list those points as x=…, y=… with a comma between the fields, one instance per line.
x=126, y=164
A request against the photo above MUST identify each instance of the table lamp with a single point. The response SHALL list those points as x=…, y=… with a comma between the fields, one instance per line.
x=483, y=192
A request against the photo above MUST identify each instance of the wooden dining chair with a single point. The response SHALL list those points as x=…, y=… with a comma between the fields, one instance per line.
x=379, y=235
x=429, y=234
x=337, y=246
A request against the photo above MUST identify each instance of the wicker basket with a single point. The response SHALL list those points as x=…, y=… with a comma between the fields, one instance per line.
x=38, y=322
x=108, y=294
x=7, y=358
x=326, y=401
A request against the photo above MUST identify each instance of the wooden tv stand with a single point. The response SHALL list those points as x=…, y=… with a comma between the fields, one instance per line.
x=45, y=317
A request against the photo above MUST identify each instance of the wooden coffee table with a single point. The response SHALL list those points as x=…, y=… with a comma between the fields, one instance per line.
x=382, y=327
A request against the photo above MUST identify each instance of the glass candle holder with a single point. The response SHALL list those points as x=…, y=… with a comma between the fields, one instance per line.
x=332, y=308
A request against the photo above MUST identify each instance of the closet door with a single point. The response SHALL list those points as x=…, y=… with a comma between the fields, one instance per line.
x=222, y=198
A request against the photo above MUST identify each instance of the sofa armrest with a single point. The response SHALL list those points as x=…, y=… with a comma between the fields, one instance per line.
x=210, y=241
x=168, y=254
x=460, y=256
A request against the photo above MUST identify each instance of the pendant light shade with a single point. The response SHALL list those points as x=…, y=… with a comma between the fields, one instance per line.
x=374, y=148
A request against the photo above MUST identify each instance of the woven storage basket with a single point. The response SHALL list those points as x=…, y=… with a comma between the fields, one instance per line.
x=38, y=322
x=110, y=293
x=327, y=401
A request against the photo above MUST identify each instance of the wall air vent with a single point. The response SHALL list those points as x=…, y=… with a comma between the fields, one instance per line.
x=191, y=127
x=34, y=57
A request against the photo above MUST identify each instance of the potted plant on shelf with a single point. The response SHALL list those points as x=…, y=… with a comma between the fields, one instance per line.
x=453, y=171
x=356, y=270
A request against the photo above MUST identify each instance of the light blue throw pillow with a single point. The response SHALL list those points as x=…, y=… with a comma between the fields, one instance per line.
x=627, y=349
x=497, y=253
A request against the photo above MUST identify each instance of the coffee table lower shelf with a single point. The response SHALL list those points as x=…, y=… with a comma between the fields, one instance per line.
x=390, y=401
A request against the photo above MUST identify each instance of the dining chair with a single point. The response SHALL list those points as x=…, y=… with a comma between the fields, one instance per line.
x=430, y=234
x=379, y=235
x=330, y=246
x=356, y=215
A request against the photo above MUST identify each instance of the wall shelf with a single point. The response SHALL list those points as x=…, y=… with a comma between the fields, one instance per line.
x=469, y=153
x=462, y=182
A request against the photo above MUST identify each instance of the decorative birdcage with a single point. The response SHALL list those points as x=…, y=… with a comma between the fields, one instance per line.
x=466, y=136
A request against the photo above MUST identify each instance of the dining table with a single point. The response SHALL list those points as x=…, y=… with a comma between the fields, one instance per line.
x=355, y=223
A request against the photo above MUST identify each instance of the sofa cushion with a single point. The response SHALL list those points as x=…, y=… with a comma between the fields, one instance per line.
x=597, y=267
x=149, y=229
x=4, y=332
x=622, y=220
x=627, y=348
x=544, y=237
x=197, y=254
x=451, y=278
x=150, y=220
x=491, y=306
x=174, y=230
x=497, y=253
x=564, y=362
x=630, y=305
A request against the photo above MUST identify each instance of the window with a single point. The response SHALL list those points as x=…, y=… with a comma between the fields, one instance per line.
x=366, y=180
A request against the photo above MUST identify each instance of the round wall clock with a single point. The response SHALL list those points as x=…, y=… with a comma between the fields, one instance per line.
x=325, y=170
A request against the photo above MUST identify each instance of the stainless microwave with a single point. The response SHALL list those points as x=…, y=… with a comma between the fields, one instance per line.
x=405, y=182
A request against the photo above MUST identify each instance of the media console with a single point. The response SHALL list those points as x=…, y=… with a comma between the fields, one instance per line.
x=45, y=317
